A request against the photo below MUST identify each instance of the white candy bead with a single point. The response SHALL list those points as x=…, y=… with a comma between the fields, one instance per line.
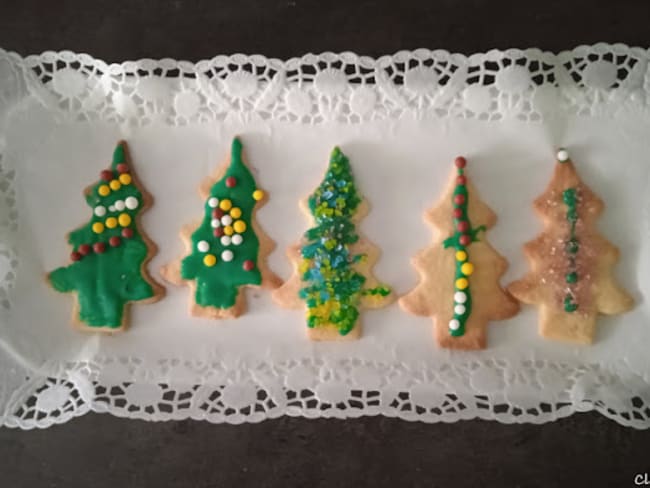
x=131, y=203
x=454, y=324
x=111, y=208
x=119, y=205
x=215, y=223
x=237, y=239
x=213, y=202
x=225, y=240
x=562, y=155
x=203, y=246
x=227, y=255
x=226, y=220
x=459, y=309
x=460, y=297
x=100, y=210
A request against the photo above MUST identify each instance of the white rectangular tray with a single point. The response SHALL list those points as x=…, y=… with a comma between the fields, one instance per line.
x=401, y=119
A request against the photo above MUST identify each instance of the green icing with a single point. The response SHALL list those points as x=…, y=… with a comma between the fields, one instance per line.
x=218, y=285
x=570, y=199
x=454, y=241
x=106, y=282
x=333, y=287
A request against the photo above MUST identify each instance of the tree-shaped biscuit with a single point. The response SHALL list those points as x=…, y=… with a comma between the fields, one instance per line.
x=110, y=252
x=459, y=274
x=227, y=250
x=332, y=276
x=570, y=279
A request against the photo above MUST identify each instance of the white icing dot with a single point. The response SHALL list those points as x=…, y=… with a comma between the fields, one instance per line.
x=119, y=205
x=203, y=246
x=459, y=309
x=131, y=203
x=237, y=239
x=225, y=240
x=454, y=324
x=227, y=255
x=460, y=297
x=215, y=223
x=226, y=220
x=562, y=155
x=111, y=208
x=213, y=202
x=100, y=210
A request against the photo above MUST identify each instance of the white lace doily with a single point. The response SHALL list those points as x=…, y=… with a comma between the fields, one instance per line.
x=401, y=119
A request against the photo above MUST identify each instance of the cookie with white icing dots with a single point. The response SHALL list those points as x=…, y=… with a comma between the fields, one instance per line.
x=571, y=263
x=110, y=252
x=459, y=273
x=227, y=250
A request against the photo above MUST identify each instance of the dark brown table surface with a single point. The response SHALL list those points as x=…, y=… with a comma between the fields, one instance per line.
x=103, y=451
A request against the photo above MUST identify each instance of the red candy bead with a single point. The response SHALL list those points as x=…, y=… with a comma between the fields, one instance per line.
x=106, y=175
x=459, y=199
x=460, y=162
x=99, y=247
x=84, y=249
x=249, y=265
x=114, y=241
x=218, y=232
x=231, y=181
x=461, y=180
x=463, y=226
x=465, y=240
x=127, y=232
x=217, y=213
x=122, y=168
x=75, y=256
x=457, y=213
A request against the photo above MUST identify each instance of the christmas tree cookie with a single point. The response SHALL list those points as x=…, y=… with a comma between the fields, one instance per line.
x=110, y=252
x=570, y=279
x=227, y=250
x=459, y=274
x=332, y=276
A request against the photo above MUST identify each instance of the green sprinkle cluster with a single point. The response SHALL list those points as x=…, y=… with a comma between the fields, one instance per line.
x=332, y=286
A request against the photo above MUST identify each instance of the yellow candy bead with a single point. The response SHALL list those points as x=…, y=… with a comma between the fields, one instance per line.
x=124, y=219
x=111, y=222
x=239, y=226
x=103, y=190
x=209, y=260
x=258, y=195
x=225, y=204
x=115, y=185
x=467, y=269
x=462, y=283
x=125, y=178
x=98, y=227
x=228, y=230
x=235, y=212
x=461, y=256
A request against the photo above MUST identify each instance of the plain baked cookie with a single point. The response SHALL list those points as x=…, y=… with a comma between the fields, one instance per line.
x=110, y=252
x=570, y=277
x=459, y=274
x=332, y=277
x=227, y=250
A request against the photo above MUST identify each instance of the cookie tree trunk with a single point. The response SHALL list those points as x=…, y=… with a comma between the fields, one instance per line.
x=459, y=274
x=110, y=251
x=332, y=265
x=571, y=277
